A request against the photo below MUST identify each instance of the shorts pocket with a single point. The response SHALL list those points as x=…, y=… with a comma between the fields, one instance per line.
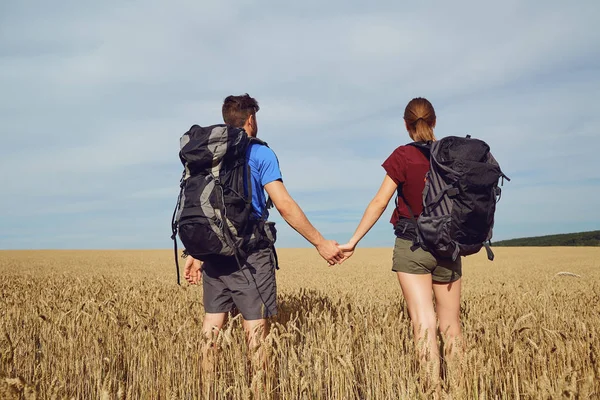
x=412, y=262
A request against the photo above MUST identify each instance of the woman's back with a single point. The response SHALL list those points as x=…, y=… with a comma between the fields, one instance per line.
x=407, y=167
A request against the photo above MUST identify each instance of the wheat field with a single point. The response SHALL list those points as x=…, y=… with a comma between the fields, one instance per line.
x=114, y=325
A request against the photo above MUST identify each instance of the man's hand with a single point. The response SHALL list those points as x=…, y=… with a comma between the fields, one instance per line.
x=193, y=270
x=295, y=217
x=328, y=249
x=347, y=251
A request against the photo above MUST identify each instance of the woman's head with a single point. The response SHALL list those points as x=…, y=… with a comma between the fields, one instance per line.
x=419, y=117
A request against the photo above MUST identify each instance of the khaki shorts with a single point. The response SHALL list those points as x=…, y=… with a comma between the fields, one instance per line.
x=423, y=262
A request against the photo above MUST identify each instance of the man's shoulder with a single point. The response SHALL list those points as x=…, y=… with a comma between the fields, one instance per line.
x=262, y=152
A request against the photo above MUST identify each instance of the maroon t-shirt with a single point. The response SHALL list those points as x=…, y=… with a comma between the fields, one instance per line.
x=407, y=166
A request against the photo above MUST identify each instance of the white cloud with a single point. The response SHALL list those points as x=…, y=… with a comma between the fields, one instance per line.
x=96, y=97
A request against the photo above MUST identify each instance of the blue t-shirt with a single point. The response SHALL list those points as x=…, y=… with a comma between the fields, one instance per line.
x=264, y=168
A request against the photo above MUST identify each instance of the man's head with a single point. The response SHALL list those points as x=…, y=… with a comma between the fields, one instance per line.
x=240, y=112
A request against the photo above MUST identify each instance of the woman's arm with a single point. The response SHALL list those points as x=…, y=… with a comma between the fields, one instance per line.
x=373, y=212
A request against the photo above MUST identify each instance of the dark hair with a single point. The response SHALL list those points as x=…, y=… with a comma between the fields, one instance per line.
x=237, y=109
x=420, y=119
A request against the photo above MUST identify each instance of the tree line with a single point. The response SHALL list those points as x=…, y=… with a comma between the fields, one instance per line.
x=591, y=238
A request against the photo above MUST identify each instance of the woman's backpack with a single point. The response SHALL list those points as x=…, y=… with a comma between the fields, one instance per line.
x=459, y=199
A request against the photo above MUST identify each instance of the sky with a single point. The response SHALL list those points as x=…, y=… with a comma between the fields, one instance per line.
x=94, y=97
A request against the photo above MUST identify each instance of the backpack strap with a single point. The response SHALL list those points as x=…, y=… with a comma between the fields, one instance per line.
x=400, y=195
x=424, y=147
x=174, y=224
x=488, y=249
x=257, y=141
x=269, y=204
x=413, y=218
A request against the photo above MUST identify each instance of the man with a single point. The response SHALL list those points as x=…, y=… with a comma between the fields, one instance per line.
x=252, y=289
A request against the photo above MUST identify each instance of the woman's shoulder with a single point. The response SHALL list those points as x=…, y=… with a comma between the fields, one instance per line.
x=402, y=150
x=408, y=154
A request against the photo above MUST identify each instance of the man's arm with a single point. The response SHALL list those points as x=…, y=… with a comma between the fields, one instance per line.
x=294, y=216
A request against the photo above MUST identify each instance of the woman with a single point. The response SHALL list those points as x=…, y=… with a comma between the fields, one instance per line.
x=419, y=272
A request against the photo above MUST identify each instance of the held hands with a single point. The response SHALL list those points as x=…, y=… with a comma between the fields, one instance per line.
x=193, y=270
x=347, y=250
x=335, y=253
x=328, y=249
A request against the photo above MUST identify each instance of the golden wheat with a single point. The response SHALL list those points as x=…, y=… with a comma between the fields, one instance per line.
x=114, y=325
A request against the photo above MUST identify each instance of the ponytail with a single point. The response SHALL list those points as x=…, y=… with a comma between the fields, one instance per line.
x=423, y=132
x=420, y=119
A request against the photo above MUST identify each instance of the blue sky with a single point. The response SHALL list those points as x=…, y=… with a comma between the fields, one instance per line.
x=95, y=95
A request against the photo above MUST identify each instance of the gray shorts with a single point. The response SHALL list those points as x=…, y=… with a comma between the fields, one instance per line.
x=252, y=290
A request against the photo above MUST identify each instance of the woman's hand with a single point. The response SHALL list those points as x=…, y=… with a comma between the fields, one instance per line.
x=347, y=250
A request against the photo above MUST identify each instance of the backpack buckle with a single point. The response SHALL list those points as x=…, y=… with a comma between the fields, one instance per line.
x=453, y=192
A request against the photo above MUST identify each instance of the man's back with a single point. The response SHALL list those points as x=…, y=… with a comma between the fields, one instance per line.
x=264, y=168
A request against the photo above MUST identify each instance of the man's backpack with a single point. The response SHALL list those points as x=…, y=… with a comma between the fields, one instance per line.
x=213, y=215
x=459, y=199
